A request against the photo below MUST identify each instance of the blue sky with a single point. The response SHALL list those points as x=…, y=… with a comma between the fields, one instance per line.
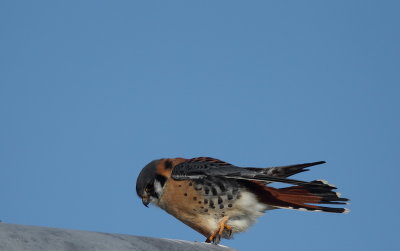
x=91, y=91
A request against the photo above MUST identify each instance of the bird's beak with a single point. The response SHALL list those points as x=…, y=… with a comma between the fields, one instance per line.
x=146, y=201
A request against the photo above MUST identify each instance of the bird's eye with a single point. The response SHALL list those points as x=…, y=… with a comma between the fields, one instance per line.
x=148, y=188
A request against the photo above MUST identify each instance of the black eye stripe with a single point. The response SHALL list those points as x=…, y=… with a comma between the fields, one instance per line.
x=161, y=179
x=168, y=164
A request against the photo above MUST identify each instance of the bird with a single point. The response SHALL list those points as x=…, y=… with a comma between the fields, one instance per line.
x=218, y=199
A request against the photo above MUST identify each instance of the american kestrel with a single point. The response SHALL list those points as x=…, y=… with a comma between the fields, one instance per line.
x=218, y=199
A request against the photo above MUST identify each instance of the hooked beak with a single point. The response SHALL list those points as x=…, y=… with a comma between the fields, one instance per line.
x=146, y=201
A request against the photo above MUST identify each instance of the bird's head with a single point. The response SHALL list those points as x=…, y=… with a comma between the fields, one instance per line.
x=149, y=184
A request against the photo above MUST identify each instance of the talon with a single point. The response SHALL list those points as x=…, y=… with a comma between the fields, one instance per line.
x=214, y=239
x=217, y=239
x=230, y=231
x=216, y=236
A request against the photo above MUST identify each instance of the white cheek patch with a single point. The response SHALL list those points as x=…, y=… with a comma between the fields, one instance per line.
x=158, y=188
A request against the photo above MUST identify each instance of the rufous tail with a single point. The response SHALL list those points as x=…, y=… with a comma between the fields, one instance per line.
x=304, y=197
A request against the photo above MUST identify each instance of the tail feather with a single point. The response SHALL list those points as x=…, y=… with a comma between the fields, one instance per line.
x=302, y=197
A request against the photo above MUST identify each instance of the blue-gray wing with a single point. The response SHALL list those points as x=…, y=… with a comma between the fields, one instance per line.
x=202, y=167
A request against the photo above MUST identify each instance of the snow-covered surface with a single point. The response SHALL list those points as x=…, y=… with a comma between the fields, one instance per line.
x=22, y=237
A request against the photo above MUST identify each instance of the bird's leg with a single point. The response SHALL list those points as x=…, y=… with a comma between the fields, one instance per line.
x=216, y=236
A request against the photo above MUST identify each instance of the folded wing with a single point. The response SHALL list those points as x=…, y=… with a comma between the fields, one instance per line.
x=199, y=168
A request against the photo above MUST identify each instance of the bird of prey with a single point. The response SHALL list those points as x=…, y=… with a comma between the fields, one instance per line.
x=218, y=199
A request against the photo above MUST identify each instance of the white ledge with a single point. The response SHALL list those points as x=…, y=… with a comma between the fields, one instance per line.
x=22, y=237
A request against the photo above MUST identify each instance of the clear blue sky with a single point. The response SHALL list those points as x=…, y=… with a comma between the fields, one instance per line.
x=90, y=91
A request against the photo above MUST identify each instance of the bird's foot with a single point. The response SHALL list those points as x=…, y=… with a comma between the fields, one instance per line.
x=215, y=237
